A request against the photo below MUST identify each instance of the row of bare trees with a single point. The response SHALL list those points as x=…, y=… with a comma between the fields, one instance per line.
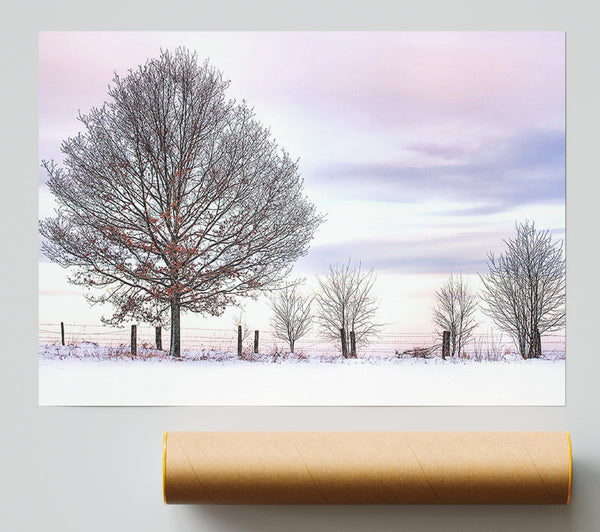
x=523, y=293
x=345, y=309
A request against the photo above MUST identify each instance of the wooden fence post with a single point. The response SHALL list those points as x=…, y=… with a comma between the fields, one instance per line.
x=134, y=340
x=256, y=341
x=62, y=333
x=352, y=344
x=344, y=346
x=158, y=336
x=445, y=344
x=239, y=345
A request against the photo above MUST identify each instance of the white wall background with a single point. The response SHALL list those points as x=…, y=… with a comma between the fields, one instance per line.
x=96, y=469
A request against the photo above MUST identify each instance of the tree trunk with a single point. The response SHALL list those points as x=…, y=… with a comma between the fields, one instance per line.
x=523, y=347
x=175, y=348
x=134, y=340
x=158, y=337
x=344, y=343
x=239, y=342
x=256, y=342
x=535, y=344
x=291, y=346
x=445, y=344
x=531, y=349
x=352, y=344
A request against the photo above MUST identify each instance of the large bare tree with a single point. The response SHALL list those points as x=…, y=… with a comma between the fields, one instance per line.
x=524, y=290
x=292, y=317
x=346, y=301
x=174, y=197
x=454, y=310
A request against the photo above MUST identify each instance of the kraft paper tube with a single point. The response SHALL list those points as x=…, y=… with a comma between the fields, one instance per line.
x=367, y=467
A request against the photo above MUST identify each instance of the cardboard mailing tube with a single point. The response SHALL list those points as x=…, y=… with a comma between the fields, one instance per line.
x=367, y=467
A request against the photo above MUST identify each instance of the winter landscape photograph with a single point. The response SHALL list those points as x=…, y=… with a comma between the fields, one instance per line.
x=302, y=218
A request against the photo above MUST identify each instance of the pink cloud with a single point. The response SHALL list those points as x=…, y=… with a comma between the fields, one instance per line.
x=394, y=78
x=326, y=88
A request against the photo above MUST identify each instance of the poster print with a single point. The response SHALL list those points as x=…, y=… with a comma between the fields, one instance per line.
x=288, y=218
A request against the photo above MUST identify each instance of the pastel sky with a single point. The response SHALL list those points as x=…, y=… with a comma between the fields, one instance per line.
x=422, y=148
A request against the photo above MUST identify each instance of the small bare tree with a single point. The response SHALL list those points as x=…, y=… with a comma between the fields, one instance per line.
x=454, y=308
x=524, y=290
x=346, y=302
x=292, y=316
x=239, y=320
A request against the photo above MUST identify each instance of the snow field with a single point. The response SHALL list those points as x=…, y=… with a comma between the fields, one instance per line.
x=160, y=380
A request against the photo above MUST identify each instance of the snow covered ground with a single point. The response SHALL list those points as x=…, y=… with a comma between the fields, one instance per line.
x=91, y=375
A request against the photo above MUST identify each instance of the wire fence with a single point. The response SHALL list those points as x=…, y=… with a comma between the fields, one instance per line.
x=490, y=345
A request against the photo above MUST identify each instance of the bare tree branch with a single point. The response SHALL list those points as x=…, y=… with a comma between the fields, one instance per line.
x=346, y=302
x=524, y=291
x=292, y=316
x=454, y=308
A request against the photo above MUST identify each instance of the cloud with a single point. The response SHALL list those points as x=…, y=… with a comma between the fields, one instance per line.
x=465, y=252
x=386, y=79
x=442, y=151
x=499, y=175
